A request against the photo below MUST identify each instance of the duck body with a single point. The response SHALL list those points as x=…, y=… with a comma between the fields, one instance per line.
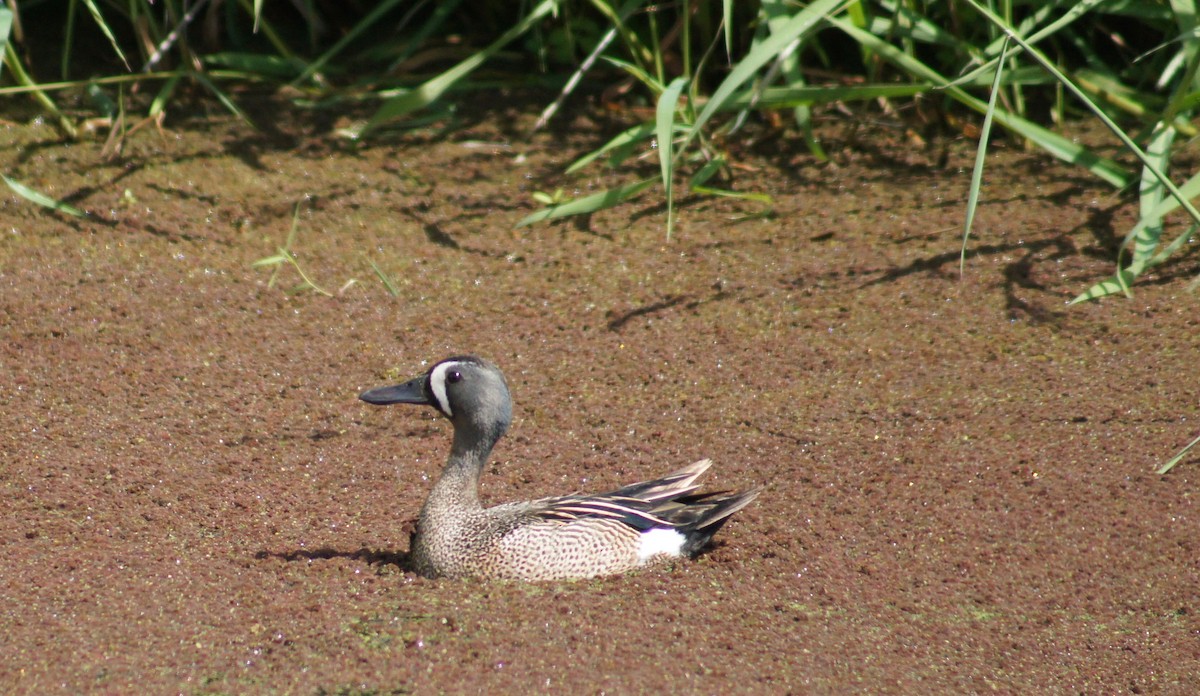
x=559, y=538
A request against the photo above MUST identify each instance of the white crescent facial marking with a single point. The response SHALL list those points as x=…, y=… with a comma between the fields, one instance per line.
x=437, y=385
x=659, y=540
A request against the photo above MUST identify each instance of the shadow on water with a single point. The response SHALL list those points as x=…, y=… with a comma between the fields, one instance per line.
x=618, y=320
x=372, y=557
x=1019, y=272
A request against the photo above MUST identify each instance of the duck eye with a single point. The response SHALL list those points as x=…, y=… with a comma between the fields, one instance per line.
x=453, y=376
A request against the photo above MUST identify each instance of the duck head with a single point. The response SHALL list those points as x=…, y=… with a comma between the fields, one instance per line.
x=470, y=391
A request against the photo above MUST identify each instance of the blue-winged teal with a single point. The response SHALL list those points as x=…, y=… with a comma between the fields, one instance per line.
x=573, y=536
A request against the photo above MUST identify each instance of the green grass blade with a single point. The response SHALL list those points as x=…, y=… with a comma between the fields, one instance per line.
x=1122, y=276
x=1049, y=141
x=271, y=66
x=13, y=62
x=269, y=261
x=1119, y=282
x=365, y=23
x=1048, y=66
x=91, y=5
x=5, y=27
x=1151, y=194
x=980, y=156
x=701, y=177
x=429, y=92
x=223, y=98
x=664, y=128
x=159, y=104
x=622, y=143
x=740, y=195
x=727, y=20
x=589, y=204
x=784, y=97
x=265, y=28
x=798, y=27
x=68, y=40
x=636, y=72
x=443, y=10
x=906, y=23
x=1177, y=458
x=308, y=282
x=1075, y=10
x=383, y=278
x=41, y=199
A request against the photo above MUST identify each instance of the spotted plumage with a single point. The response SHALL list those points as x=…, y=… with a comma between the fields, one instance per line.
x=566, y=537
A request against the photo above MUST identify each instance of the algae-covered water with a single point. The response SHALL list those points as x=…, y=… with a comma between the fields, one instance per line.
x=959, y=494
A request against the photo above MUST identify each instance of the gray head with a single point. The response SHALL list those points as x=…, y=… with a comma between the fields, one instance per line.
x=468, y=390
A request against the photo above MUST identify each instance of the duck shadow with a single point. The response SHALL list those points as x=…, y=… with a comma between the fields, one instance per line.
x=373, y=557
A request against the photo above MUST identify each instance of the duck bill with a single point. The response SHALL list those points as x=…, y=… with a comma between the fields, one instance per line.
x=411, y=392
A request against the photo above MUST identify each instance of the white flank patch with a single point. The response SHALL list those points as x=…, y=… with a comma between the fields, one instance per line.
x=657, y=541
x=437, y=384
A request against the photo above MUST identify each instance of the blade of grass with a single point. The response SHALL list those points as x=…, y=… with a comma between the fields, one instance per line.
x=41, y=199
x=442, y=11
x=701, y=177
x=799, y=27
x=6, y=16
x=304, y=276
x=1120, y=280
x=77, y=84
x=159, y=104
x=284, y=255
x=28, y=85
x=68, y=41
x=1075, y=10
x=1150, y=196
x=278, y=67
x=626, y=140
x=727, y=23
x=1148, y=164
x=1049, y=141
x=96, y=15
x=664, y=124
x=776, y=13
x=430, y=91
x=1190, y=189
x=636, y=73
x=223, y=98
x=642, y=54
x=589, y=204
x=586, y=65
x=1177, y=458
x=365, y=23
x=264, y=27
x=783, y=97
x=383, y=278
x=980, y=156
x=741, y=195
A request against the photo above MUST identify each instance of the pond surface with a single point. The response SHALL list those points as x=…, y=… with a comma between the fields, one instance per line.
x=958, y=479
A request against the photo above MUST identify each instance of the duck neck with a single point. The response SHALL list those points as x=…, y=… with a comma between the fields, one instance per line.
x=458, y=486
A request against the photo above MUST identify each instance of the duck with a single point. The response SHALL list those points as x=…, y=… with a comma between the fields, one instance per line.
x=568, y=537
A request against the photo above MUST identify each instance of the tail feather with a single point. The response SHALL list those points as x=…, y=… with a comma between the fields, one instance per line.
x=699, y=517
x=673, y=485
x=670, y=502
